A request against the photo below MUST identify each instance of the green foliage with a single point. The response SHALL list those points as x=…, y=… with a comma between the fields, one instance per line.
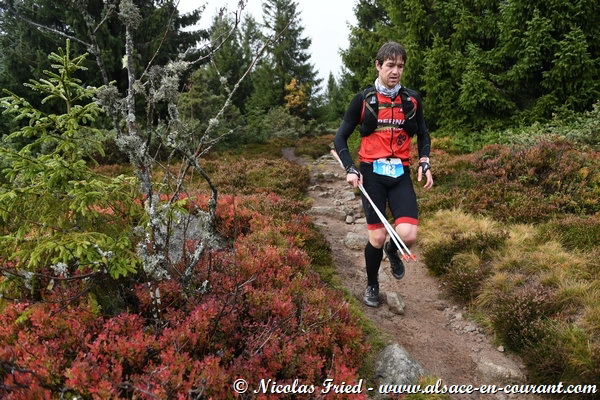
x=485, y=65
x=25, y=46
x=314, y=147
x=287, y=59
x=55, y=212
x=575, y=232
x=335, y=104
x=526, y=183
x=560, y=350
x=583, y=129
x=200, y=104
x=466, y=274
x=517, y=314
x=278, y=122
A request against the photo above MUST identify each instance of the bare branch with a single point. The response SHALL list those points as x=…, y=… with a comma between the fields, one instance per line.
x=162, y=41
x=110, y=9
x=6, y=272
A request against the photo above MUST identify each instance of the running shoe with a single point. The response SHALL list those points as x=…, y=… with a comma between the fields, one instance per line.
x=395, y=261
x=372, y=295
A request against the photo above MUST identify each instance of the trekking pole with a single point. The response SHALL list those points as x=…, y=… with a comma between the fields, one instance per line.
x=388, y=227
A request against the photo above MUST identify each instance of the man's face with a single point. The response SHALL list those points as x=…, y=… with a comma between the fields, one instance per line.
x=390, y=72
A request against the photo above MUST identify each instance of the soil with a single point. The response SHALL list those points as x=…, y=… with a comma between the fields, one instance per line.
x=434, y=329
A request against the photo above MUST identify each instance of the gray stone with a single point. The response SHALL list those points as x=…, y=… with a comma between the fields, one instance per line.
x=493, y=372
x=349, y=219
x=395, y=302
x=394, y=366
x=330, y=212
x=347, y=196
x=355, y=241
x=328, y=176
x=360, y=221
x=383, y=278
x=347, y=210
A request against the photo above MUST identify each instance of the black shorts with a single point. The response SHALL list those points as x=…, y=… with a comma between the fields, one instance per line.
x=398, y=193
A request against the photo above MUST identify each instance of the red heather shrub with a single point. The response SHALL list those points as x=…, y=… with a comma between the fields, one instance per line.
x=506, y=200
x=263, y=313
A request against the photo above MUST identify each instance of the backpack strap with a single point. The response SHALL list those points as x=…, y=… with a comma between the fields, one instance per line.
x=406, y=100
x=370, y=98
x=368, y=122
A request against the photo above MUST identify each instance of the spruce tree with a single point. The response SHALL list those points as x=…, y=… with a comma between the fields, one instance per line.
x=485, y=64
x=365, y=39
x=288, y=56
x=30, y=30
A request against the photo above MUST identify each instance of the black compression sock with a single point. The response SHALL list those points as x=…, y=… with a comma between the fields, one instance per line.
x=373, y=258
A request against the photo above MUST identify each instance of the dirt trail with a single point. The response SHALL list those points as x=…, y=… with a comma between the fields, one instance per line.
x=434, y=330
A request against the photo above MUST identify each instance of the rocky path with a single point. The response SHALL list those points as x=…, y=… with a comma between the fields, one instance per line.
x=415, y=311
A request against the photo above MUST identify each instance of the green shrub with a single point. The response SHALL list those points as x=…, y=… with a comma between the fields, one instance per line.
x=575, y=232
x=278, y=122
x=516, y=315
x=545, y=354
x=560, y=352
x=583, y=129
x=314, y=147
x=565, y=177
x=518, y=184
x=466, y=274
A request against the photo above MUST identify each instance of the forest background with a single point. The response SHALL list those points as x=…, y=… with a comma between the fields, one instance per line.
x=157, y=245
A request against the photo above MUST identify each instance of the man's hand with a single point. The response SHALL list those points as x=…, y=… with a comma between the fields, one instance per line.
x=424, y=165
x=354, y=179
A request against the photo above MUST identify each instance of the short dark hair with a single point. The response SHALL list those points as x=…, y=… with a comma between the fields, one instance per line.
x=390, y=51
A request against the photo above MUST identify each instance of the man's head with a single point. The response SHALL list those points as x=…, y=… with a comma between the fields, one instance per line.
x=389, y=62
x=391, y=51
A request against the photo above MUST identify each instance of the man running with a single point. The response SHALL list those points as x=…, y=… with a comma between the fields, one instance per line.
x=389, y=116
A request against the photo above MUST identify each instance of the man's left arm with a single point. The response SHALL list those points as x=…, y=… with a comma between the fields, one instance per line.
x=424, y=147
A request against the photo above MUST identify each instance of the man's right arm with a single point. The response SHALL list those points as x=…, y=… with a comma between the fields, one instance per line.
x=349, y=123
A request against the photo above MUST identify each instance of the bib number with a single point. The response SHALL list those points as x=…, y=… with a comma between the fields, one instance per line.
x=391, y=167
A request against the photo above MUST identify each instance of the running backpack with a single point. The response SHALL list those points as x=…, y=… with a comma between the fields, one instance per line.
x=371, y=110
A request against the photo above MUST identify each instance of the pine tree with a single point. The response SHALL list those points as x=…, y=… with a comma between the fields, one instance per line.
x=485, y=64
x=365, y=39
x=55, y=212
x=30, y=30
x=288, y=55
x=335, y=101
